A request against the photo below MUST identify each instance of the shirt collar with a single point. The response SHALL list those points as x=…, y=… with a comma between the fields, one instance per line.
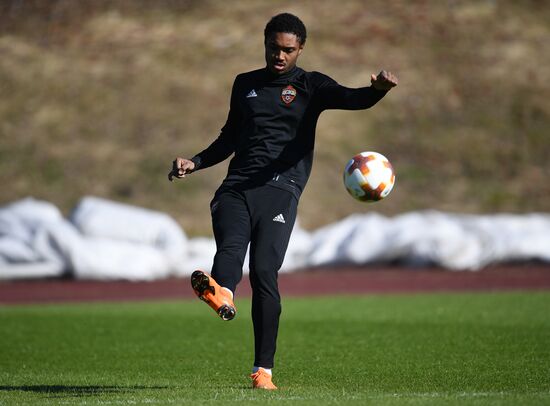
x=285, y=77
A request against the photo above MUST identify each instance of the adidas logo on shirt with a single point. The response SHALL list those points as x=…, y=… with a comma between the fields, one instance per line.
x=252, y=93
x=279, y=218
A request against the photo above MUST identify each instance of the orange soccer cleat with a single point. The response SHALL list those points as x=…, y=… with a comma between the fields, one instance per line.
x=218, y=298
x=262, y=380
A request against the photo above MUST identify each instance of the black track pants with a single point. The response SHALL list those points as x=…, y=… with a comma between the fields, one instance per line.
x=263, y=216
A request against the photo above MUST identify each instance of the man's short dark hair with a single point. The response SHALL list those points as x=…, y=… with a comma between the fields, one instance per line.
x=286, y=22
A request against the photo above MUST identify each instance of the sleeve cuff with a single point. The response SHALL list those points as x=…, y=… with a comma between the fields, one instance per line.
x=379, y=90
x=197, y=161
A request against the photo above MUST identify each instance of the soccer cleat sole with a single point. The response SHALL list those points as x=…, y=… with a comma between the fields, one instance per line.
x=226, y=312
x=201, y=283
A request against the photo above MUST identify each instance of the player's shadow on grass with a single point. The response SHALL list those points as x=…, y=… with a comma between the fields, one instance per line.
x=77, y=390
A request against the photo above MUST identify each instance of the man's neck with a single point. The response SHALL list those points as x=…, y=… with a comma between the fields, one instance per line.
x=274, y=76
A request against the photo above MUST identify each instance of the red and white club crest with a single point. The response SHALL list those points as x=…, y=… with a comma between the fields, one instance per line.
x=288, y=94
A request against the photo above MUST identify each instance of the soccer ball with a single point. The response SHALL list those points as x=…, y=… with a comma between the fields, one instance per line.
x=369, y=176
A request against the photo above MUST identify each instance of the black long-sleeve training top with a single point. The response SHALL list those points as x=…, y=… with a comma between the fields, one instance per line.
x=271, y=126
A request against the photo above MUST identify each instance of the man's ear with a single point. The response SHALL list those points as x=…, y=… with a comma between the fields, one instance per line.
x=300, y=49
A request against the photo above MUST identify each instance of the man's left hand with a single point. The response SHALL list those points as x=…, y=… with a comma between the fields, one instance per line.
x=384, y=81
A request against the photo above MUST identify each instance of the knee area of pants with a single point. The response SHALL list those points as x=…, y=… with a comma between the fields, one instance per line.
x=270, y=295
x=229, y=255
x=263, y=285
x=264, y=273
x=269, y=267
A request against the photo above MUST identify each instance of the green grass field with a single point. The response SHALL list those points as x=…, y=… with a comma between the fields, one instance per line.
x=408, y=349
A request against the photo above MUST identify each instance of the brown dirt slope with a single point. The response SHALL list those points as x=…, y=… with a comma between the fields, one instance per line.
x=99, y=96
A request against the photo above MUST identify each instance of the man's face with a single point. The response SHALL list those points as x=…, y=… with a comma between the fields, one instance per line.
x=281, y=52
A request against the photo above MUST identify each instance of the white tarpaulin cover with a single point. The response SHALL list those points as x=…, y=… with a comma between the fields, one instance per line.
x=108, y=240
x=101, y=240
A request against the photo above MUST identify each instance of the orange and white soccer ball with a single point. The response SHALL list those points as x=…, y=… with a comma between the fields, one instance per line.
x=369, y=176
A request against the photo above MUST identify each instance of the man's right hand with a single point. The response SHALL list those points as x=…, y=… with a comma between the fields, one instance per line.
x=180, y=168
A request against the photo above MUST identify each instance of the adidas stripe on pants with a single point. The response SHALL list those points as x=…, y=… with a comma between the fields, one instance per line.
x=263, y=217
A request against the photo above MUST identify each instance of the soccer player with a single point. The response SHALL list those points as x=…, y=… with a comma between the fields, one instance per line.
x=270, y=131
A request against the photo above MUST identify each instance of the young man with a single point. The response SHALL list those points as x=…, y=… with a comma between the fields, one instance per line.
x=270, y=130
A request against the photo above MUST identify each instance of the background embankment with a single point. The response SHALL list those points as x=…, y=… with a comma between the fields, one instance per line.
x=98, y=97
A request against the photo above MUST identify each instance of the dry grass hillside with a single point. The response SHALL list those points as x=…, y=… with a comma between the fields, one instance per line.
x=99, y=96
